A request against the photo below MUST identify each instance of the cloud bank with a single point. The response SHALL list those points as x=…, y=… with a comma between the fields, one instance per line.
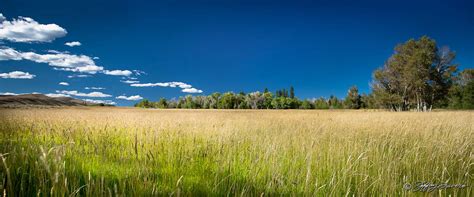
x=61, y=61
x=94, y=88
x=130, y=98
x=91, y=94
x=130, y=81
x=57, y=95
x=17, y=75
x=25, y=29
x=184, y=86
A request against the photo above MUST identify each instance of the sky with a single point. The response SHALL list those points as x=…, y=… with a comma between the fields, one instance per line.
x=119, y=52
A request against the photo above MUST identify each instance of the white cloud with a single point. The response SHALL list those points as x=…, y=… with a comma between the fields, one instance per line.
x=130, y=81
x=17, y=75
x=61, y=61
x=108, y=102
x=96, y=58
x=78, y=76
x=64, y=83
x=118, y=72
x=14, y=94
x=57, y=95
x=92, y=69
x=8, y=93
x=56, y=51
x=73, y=44
x=25, y=29
x=179, y=84
x=94, y=88
x=9, y=54
x=91, y=94
x=149, y=84
x=130, y=98
x=139, y=72
x=191, y=90
x=184, y=86
x=165, y=84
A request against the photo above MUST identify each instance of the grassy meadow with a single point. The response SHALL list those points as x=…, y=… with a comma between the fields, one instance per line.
x=125, y=151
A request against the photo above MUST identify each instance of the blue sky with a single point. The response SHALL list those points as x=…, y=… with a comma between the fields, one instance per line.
x=320, y=47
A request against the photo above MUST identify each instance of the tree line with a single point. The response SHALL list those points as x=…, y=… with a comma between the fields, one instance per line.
x=419, y=76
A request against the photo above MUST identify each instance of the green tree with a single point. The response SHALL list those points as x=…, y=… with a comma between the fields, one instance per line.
x=368, y=101
x=334, y=103
x=306, y=104
x=267, y=100
x=162, y=103
x=214, y=100
x=353, y=99
x=417, y=75
x=145, y=103
x=321, y=103
x=292, y=92
x=468, y=96
x=460, y=94
x=227, y=101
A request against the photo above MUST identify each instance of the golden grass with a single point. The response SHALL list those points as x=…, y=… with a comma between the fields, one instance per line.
x=107, y=151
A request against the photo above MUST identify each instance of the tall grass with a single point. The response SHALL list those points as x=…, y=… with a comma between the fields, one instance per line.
x=116, y=151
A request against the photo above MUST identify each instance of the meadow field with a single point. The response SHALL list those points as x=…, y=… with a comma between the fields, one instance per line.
x=91, y=151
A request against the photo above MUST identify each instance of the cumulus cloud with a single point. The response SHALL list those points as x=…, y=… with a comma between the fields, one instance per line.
x=25, y=29
x=73, y=44
x=108, y=102
x=9, y=54
x=130, y=81
x=17, y=75
x=78, y=76
x=165, y=84
x=184, y=86
x=64, y=83
x=149, y=84
x=118, y=72
x=91, y=94
x=94, y=88
x=14, y=94
x=56, y=51
x=8, y=94
x=191, y=90
x=61, y=61
x=57, y=95
x=130, y=98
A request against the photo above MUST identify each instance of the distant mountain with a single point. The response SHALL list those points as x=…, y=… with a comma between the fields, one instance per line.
x=41, y=100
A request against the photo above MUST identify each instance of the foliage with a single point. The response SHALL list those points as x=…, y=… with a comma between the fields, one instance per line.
x=461, y=94
x=353, y=99
x=417, y=76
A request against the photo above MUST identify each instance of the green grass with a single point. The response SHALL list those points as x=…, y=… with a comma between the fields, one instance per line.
x=116, y=151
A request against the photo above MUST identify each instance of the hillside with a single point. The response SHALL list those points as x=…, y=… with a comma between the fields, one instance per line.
x=40, y=100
